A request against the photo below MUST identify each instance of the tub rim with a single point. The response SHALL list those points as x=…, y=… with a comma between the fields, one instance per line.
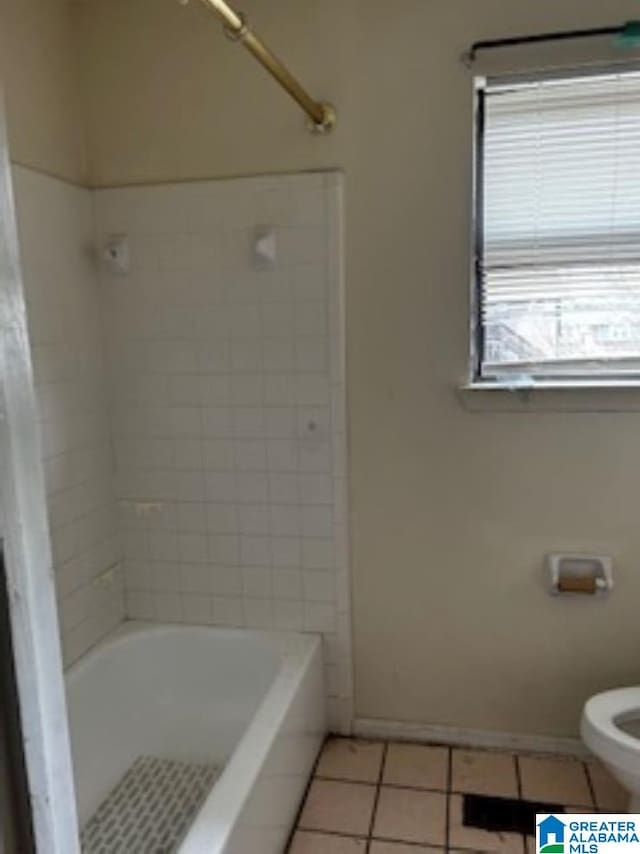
x=217, y=817
x=286, y=641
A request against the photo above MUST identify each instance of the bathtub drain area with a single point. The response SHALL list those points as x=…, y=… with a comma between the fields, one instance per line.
x=150, y=809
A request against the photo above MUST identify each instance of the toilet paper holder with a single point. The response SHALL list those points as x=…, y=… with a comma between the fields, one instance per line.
x=579, y=574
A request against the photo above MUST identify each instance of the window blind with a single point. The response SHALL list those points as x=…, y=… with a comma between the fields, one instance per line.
x=559, y=249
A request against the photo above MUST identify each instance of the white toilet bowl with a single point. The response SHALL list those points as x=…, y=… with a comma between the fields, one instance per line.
x=602, y=718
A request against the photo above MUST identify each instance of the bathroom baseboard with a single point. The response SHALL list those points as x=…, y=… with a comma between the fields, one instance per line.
x=433, y=734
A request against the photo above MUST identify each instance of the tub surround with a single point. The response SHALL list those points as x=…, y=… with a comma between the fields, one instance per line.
x=216, y=385
x=64, y=313
x=228, y=389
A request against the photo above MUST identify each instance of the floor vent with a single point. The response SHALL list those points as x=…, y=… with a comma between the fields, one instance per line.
x=150, y=809
x=504, y=815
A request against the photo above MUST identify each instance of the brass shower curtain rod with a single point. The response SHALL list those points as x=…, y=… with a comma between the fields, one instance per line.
x=322, y=116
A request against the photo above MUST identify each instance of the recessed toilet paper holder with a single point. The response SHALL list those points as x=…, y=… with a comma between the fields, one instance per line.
x=579, y=574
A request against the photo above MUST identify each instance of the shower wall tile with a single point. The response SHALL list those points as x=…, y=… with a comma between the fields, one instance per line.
x=64, y=311
x=228, y=389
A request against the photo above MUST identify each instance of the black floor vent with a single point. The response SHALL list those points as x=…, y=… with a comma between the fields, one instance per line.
x=504, y=815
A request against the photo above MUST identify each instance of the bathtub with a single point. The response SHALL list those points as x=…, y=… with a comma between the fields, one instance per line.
x=251, y=703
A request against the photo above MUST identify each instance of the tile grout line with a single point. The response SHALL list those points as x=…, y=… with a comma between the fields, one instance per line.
x=420, y=846
x=592, y=789
x=516, y=763
x=376, y=799
x=338, y=834
x=303, y=800
x=407, y=788
x=447, y=807
x=341, y=834
x=518, y=771
x=386, y=785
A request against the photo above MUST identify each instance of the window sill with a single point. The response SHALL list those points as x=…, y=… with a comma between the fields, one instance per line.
x=552, y=396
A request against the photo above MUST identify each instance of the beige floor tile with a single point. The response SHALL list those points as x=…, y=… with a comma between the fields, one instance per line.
x=418, y=765
x=338, y=807
x=560, y=781
x=476, y=839
x=484, y=773
x=405, y=815
x=349, y=759
x=610, y=795
x=308, y=842
x=480, y=850
x=379, y=847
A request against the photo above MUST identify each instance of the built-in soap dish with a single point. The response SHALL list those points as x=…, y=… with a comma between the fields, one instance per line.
x=579, y=574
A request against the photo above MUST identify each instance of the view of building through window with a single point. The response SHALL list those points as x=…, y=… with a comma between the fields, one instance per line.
x=566, y=333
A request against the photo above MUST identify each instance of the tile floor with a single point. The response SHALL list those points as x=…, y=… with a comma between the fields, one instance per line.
x=369, y=797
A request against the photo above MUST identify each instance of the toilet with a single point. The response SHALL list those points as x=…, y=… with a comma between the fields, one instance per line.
x=609, y=721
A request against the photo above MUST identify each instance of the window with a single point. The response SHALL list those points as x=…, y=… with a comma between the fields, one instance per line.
x=558, y=230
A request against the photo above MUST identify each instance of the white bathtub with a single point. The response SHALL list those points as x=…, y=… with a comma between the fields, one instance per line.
x=252, y=702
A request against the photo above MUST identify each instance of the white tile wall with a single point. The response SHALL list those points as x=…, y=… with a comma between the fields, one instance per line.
x=229, y=427
x=227, y=396
x=62, y=292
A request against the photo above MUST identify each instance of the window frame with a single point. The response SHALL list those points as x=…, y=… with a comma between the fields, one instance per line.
x=476, y=380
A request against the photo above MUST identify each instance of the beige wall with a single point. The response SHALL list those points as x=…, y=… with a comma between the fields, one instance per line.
x=38, y=71
x=452, y=511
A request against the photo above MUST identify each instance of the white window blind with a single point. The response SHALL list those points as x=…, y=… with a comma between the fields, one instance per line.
x=559, y=228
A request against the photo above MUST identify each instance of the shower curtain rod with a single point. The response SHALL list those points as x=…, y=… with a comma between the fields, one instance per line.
x=322, y=115
x=628, y=36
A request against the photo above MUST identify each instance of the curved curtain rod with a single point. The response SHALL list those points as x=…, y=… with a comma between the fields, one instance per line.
x=628, y=36
x=322, y=115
